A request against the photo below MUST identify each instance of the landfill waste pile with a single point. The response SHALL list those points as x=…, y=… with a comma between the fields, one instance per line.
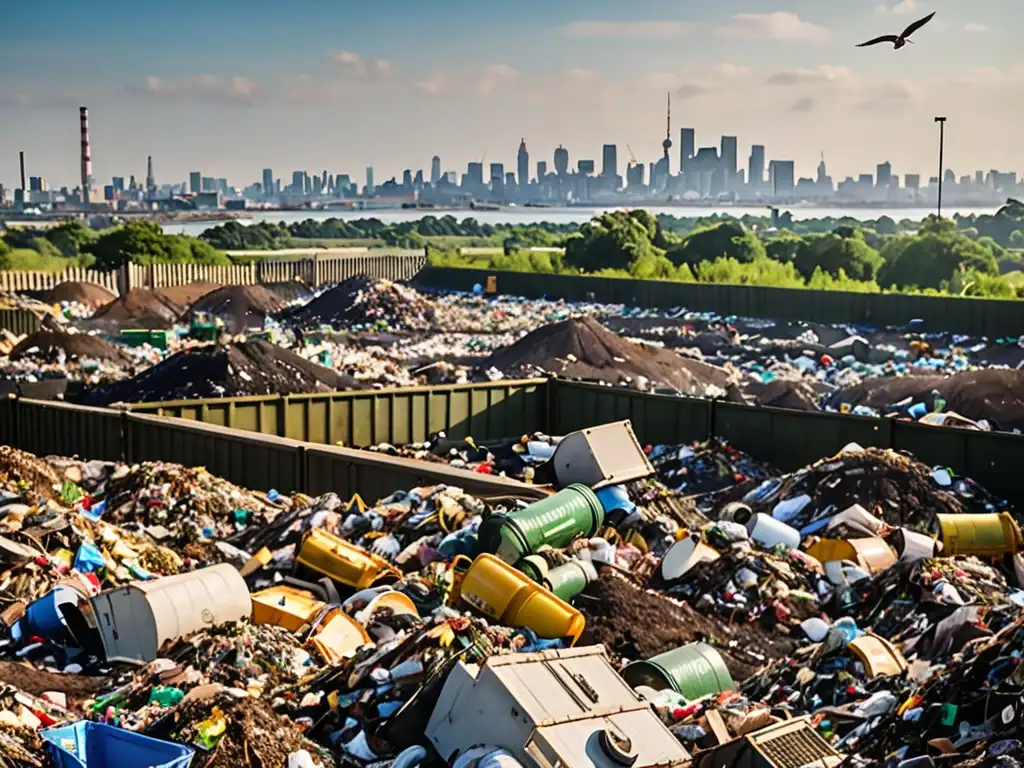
x=255, y=367
x=240, y=307
x=865, y=608
x=139, y=308
x=291, y=292
x=468, y=313
x=362, y=303
x=54, y=346
x=581, y=348
x=89, y=295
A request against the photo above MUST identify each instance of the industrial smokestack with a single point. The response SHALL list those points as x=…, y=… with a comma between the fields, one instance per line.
x=21, y=158
x=83, y=113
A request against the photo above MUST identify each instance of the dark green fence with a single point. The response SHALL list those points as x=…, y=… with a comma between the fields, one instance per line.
x=989, y=317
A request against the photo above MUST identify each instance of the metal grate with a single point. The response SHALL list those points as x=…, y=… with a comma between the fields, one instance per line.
x=793, y=749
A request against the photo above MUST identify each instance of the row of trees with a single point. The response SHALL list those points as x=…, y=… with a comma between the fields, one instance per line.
x=264, y=236
x=74, y=244
x=938, y=257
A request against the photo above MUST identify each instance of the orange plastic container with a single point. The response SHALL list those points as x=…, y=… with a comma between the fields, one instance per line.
x=512, y=598
x=284, y=607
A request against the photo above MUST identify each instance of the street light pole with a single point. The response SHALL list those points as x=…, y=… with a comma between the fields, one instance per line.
x=942, y=142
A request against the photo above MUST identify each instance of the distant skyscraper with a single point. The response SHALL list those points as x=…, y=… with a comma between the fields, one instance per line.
x=730, y=161
x=561, y=160
x=979, y=178
x=585, y=167
x=949, y=177
x=435, y=170
x=299, y=182
x=912, y=181
x=666, y=145
x=883, y=175
x=369, y=180
x=755, y=173
x=407, y=178
x=150, y=179
x=782, y=178
x=195, y=182
x=542, y=170
x=635, y=176
x=687, y=146
x=609, y=161
x=523, y=166
x=268, y=182
x=498, y=173
x=475, y=174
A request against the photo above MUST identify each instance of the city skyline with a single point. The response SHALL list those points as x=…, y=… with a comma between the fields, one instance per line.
x=253, y=89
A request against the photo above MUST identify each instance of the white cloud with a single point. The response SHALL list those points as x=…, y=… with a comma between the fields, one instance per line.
x=981, y=76
x=728, y=71
x=495, y=76
x=363, y=68
x=973, y=26
x=481, y=82
x=635, y=30
x=886, y=97
x=774, y=26
x=822, y=74
x=203, y=88
x=900, y=9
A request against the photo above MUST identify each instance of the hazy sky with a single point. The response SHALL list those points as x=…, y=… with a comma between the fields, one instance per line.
x=229, y=87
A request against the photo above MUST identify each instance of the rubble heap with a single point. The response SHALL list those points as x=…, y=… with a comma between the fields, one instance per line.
x=362, y=303
x=241, y=307
x=52, y=346
x=88, y=294
x=139, y=308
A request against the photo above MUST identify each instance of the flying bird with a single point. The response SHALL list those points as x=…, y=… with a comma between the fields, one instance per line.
x=898, y=41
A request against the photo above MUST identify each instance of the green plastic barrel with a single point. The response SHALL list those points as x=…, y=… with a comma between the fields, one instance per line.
x=554, y=521
x=696, y=671
x=535, y=567
x=568, y=580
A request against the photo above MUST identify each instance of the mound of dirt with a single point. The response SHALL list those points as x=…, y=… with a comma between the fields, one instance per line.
x=139, y=308
x=636, y=624
x=365, y=302
x=245, y=368
x=78, y=688
x=290, y=291
x=89, y=294
x=996, y=395
x=47, y=346
x=582, y=348
x=241, y=307
x=794, y=395
x=188, y=293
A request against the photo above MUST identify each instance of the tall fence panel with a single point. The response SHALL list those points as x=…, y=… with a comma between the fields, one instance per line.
x=991, y=317
x=20, y=322
x=46, y=428
x=17, y=281
x=361, y=418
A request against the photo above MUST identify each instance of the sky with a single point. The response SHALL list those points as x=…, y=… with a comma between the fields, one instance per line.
x=231, y=87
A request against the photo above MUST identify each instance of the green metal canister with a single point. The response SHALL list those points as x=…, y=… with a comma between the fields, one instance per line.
x=554, y=521
x=567, y=581
x=695, y=671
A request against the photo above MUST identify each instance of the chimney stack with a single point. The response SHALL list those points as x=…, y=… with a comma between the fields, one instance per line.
x=21, y=158
x=83, y=113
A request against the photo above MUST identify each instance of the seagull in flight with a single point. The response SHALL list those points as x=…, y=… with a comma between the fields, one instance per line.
x=898, y=41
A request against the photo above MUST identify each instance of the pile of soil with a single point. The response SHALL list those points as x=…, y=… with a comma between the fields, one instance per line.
x=47, y=345
x=363, y=301
x=582, y=348
x=241, y=307
x=290, y=291
x=794, y=395
x=139, y=308
x=89, y=294
x=31, y=475
x=996, y=395
x=36, y=682
x=243, y=368
x=188, y=293
x=637, y=624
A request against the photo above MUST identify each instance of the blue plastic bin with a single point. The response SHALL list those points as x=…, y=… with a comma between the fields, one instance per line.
x=96, y=745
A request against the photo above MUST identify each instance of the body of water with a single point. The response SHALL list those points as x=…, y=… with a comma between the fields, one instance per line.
x=569, y=215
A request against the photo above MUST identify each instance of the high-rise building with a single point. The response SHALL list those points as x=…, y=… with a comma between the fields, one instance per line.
x=407, y=178
x=687, y=146
x=609, y=161
x=435, y=170
x=979, y=178
x=498, y=173
x=561, y=160
x=209, y=183
x=150, y=178
x=268, y=182
x=542, y=170
x=417, y=180
x=949, y=177
x=299, y=182
x=523, y=166
x=195, y=182
x=475, y=174
x=37, y=184
x=369, y=180
x=912, y=181
x=585, y=167
x=755, y=172
x=729, y=160
x=883, y=175
x=782, y=178
x=635, y=176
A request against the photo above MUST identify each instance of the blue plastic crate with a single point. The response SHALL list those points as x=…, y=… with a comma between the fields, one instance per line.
x=95, y=745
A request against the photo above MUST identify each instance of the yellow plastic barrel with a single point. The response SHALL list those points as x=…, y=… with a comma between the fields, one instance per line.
x=510, y=597
x=346, y=563
x=986, y=535
x=284, y=607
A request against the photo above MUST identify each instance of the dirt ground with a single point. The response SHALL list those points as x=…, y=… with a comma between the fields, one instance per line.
x=139, y=308
x=637, y=624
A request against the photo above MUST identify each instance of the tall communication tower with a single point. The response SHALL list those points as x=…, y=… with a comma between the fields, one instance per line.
x=83, y=114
